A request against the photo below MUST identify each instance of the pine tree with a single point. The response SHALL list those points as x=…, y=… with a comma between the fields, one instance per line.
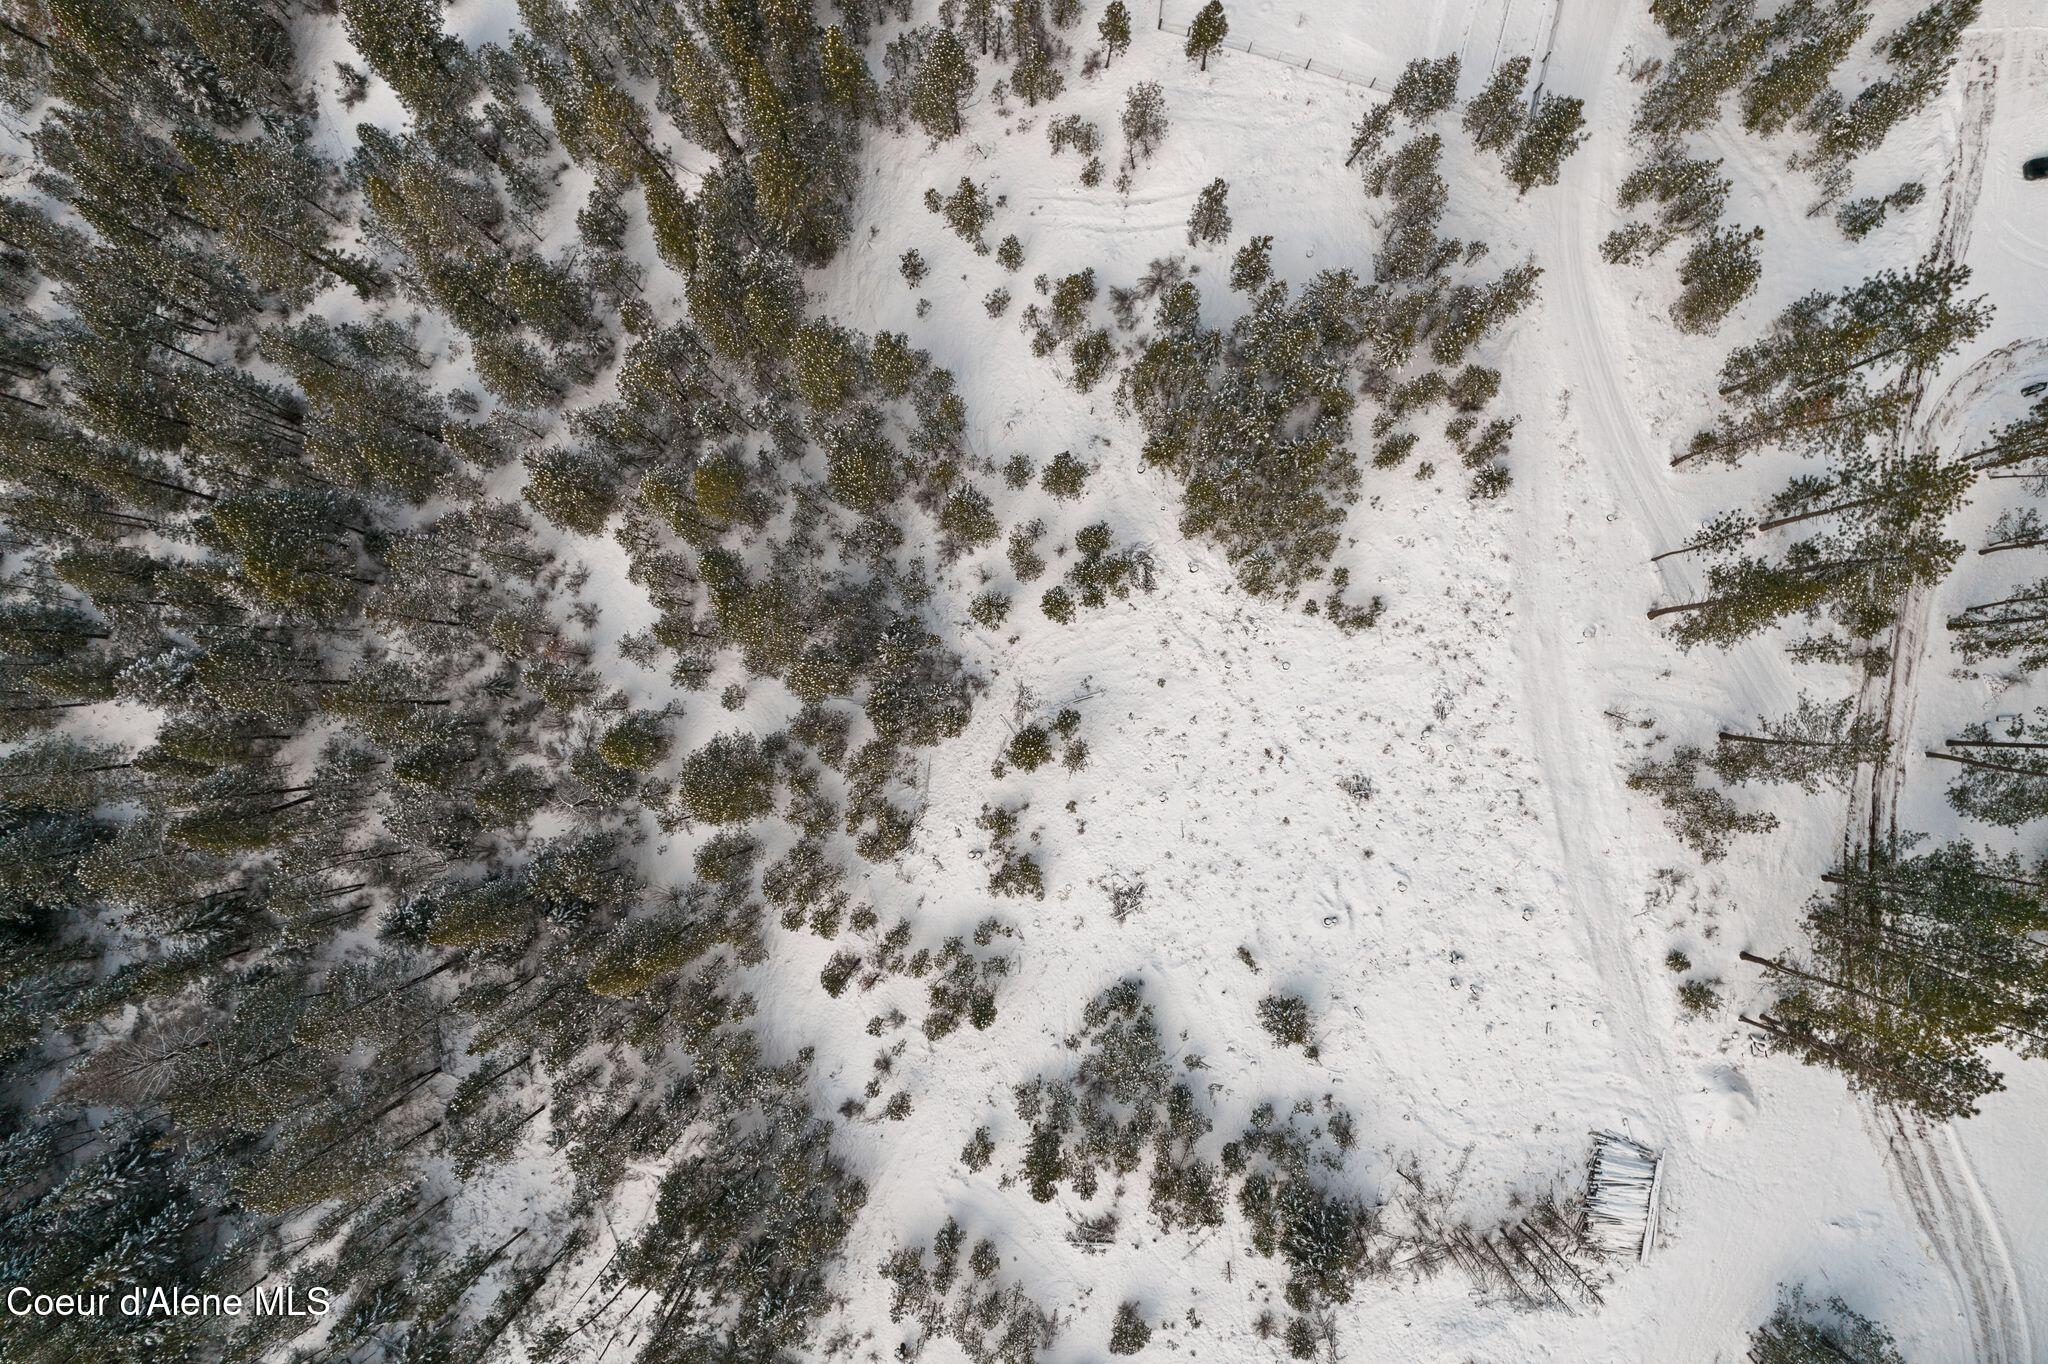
x=845, y=81
x=703, y=97
x=1702, y=816
x=1812, y=745
x=944, y=79
x=1494, y=116
x=1689, y=192
x=1786, y=85
x=1717, y=274
x=1918, y=964
x=1426, y=88
x=1130, y=1332
x=1210, y=220
x=980, y=18
x=1920, y=53
x=1207, y=33
x=1036, y=75
x=574, y=489
x=1144, y=119
x=1712, y=61
x=1892, y=321
x=1115, y=31
x=1855, y=575
x=968, y=211
x=1861, y=217
x=2014, y=626
x=294, y=551
x=404, y=42
x=1370, y=135
x=1252, y=267
x=2017, y=441
x=1554, y=131
x=267, y=199
x=2001, y=781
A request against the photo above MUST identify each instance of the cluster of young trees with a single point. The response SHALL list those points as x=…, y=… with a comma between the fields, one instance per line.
x=1124, y=1114
x=1256, y=420
x=1781, y=67
x=1803, y=1331
x=1532, y=139
x=992, y=1320
x=1122, y=1110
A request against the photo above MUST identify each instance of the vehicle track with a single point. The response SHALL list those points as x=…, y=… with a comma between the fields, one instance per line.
x=1932, y=1169
x=1931, y=1166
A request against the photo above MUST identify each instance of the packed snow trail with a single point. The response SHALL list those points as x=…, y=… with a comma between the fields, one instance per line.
x=1931, y=1168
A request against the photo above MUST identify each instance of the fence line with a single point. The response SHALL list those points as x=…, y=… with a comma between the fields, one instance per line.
x=1323, y=68
x=1274, y=55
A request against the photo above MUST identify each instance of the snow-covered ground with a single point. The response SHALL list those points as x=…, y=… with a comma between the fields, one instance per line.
x=1482, y=941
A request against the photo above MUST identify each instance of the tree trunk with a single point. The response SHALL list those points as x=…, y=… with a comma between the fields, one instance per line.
x=1957, y=758
x=1726, y=736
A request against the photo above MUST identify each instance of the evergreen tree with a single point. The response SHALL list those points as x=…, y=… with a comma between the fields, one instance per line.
x=846, y=83
x=1130, y=1332
x=1717, y=274
x=1813, y=744
x=944, y=79
x=1918, y=964
x=1854, y=575
x=1370, y=135
x=1891, y=322
x=1144, y=119
x=1115, y=31
x=2017, y=441
x=1861, y=217
x=403, y=41
x=1784, y=87
x=1207, y=33
x=1493, y=117
x=1426, y=88
x=1702, y=816
x=1556, y=129
x=968, y=211
x=1690, y=195
x=268, y=200
x=1222, y=428
x=1713, y=60
x=1252, y=267
x=1919, y=54
x=2014, y=626
x=2001, y=781
x=1210, y=220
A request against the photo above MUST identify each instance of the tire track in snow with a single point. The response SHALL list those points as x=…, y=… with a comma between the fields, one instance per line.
x=1579, y=759
x=1931, y=1166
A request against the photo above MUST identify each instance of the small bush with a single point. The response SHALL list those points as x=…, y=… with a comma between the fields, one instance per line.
x=1700, y=997
x=1286, y=1018
x=990, y=610
x=1065, y=477
x=1130, y=1332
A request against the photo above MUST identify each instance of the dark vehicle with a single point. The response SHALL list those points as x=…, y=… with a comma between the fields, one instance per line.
x=2037, y=169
